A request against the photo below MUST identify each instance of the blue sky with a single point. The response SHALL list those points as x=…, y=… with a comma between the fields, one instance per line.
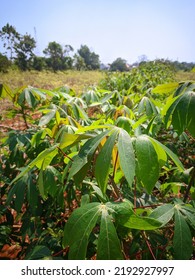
x=110, y=28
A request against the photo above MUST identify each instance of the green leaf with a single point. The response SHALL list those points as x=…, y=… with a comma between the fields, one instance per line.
x=183, y=116
x=5, y=91
x=162, y=156
x=46, y=118
x=173, y=156
x=108, y=243
x=38, y=252
x=30, y=98
x=103, y=162
x=182, y=240
x=163, y=213
x=141, y=223
x=86, y=152
x=42, y=160
x=165, y=88
x=123, y=208
x=126, y=156
x=147, y=163
x=78, y=229
x=40, y=183
x=147, y=106
x=32, y=194
x=189, y=212
x=17, y=193
x=182, y=112
x=68, y=139
x=47, y=181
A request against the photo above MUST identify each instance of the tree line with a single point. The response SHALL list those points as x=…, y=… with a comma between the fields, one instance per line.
x=20, y=52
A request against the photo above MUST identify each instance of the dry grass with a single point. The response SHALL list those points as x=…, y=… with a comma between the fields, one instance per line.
x=78, y=80
x=185, y=76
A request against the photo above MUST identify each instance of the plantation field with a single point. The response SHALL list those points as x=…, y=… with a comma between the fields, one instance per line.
x=98, y=165
x=78, y=80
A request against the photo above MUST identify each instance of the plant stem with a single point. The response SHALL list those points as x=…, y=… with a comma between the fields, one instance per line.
x=116, y=190
x=189, y=185
x=134, y=196
x=114, y=171
x=24, y=117
x=148, y=244
x=64, y=154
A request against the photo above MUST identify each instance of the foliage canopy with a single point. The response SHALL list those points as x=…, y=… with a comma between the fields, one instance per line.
x=107, y=174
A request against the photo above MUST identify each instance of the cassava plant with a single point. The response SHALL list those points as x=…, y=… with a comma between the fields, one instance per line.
x=97, y=176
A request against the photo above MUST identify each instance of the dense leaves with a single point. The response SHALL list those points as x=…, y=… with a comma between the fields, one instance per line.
x=108, y=174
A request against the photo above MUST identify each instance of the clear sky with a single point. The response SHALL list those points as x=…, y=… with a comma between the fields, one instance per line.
x=110, y=28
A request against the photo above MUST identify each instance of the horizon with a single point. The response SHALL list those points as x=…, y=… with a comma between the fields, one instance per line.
x=129, y=29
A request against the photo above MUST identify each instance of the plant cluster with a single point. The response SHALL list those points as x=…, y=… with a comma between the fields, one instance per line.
x=96, y=175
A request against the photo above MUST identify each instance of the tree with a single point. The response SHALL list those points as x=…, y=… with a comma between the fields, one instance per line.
x=67, y=59
x=24, y=51
x=91, y=59
x=4, y=63
x=68, y=49
x=79, y=62
x=54, y=52
x=119, y=65
x=38, y=63
x=9, y=36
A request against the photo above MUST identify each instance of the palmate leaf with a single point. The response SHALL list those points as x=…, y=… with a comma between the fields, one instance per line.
x=184, y=114
x=181, y=111
x=78, y=229
x=182, y=241
x=83, y=220
x=103, y=161
x=31, y=96
x=147, y=106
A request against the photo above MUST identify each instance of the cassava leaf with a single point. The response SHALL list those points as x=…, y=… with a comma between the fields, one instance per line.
x=38, y=252
x=173, y=156
x=165, y=88
x=5, y=91
x=147, y=162
x=126, y=156
x=141, y=223
x=182, y=240
x=46, y=118
x=78, y=229
x=163, y=213
x=46, y=156
x=108, y=243
x=86, y=152
x=103, y=162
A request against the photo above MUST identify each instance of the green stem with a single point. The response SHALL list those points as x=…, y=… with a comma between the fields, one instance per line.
x=189, y=185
